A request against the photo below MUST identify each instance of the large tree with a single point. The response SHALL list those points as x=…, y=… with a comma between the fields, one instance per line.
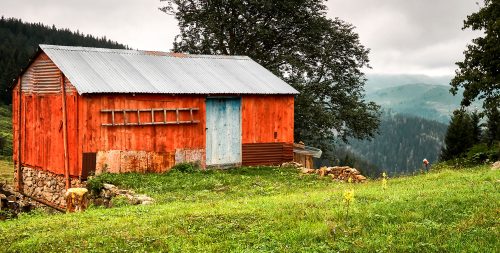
x=479, y=73
x=321, y=57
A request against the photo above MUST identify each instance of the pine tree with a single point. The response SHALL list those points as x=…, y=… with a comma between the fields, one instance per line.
x=493, y=125
x=459, y=136
x=476, y=127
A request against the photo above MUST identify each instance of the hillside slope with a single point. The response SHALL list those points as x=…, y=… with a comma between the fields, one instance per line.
x=277, y=210
x=404, y=141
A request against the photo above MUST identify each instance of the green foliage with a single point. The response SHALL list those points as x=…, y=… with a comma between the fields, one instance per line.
x=96, y=184
x=459, y=136
x=322, y=58
x=493, y=126
x=479, y=73
x=187, y=167
x=19, y=41
x=478, y=154
x=277, y=210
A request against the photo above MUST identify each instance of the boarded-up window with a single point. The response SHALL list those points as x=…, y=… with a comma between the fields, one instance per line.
x=88, y=164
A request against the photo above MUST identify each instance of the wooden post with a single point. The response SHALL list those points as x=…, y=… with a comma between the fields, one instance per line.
x=65, y=133
x=19, y=111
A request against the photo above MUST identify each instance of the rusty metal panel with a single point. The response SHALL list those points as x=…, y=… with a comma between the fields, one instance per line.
x=124, y=161
x=272, y=153
x=189, y=155
x=88, y=164
x=160, y=162
x=133, y=161
x=108, y=161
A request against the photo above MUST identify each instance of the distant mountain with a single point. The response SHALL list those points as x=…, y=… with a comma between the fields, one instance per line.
x=432, y=102
x=381, y=81
x=19, y=41
x=402, y=144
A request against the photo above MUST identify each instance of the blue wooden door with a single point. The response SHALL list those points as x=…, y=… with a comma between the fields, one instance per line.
x=223, y=131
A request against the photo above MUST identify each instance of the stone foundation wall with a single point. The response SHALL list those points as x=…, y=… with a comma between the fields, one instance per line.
x=46, y=185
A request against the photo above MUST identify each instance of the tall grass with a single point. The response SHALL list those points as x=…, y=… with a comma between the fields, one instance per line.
x=277, y=210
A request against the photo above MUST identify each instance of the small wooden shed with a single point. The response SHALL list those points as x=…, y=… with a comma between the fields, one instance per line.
x=79, y=111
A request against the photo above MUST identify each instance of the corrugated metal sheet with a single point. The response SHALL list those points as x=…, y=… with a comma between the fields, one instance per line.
x=96, y=70
x=273, y=153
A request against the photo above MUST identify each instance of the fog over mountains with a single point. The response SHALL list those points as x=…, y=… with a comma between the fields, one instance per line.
x=415, y=95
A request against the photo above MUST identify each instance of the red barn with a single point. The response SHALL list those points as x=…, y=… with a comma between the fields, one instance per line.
x=142, y=111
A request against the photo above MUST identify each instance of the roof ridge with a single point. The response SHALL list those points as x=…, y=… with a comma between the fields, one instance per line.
x=142, y=52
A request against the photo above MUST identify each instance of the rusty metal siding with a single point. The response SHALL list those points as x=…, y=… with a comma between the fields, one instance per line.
x=274, y=153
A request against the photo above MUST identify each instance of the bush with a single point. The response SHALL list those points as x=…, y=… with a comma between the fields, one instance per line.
x=95, y=185
x=186, y=167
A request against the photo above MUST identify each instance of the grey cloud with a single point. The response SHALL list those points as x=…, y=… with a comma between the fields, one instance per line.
x=421, y=36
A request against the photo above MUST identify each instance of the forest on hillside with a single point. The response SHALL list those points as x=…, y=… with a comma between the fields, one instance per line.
x=19, y=41
x=404, y=141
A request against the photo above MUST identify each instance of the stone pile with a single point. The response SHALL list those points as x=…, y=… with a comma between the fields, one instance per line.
x=496, y=165
x=47, y=186
x=12, y=203
x=110, y=191
x=341, y=173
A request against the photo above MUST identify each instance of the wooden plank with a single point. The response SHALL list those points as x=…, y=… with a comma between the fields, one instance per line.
x=124, y=117
x=65, y=133
x=223, y=135
x=263, y=116
x=19, y=161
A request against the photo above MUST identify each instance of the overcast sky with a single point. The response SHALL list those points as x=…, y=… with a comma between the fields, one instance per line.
x=405, y=36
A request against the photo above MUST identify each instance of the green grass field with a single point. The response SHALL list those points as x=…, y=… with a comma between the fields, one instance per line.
x=277, y=210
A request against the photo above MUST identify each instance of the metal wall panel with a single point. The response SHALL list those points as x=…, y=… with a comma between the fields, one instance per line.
x=273, y=153
x=223, y=131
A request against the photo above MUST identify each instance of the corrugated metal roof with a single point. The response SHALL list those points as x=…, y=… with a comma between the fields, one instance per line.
x=98, y=70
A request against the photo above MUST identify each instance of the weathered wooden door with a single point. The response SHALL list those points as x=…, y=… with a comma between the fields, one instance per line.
x=223, y=131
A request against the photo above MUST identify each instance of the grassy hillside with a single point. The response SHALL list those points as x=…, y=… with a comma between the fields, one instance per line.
x=277, y=210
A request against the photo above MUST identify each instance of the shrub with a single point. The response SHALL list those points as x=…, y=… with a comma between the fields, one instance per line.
x=186, y=167
x=95, y=185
